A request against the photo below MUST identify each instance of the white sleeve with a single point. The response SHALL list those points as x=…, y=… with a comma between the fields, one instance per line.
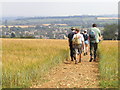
x=99, y=32
x=82, y=37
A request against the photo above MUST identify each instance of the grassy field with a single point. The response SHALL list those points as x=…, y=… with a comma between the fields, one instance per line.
x=26, y=60
x=108, y=54
x=0, y=63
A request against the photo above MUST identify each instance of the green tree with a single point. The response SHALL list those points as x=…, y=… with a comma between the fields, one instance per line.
x=109, y=31
x=12, y=35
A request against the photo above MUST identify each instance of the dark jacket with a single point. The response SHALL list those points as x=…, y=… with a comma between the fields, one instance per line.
x=70, y=36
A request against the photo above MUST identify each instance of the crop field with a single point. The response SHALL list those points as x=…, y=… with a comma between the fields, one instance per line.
x=0, y=64
x=26, y=60
x=108, y=66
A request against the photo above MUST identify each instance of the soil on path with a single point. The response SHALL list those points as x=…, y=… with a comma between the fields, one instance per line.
x=71, y=75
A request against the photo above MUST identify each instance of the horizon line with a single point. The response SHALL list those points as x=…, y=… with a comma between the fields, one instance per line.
x=66, y=15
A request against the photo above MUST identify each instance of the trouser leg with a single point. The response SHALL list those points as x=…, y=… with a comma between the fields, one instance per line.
x=73, y=54
x=71, y=51
x=95, y=50
x=91, y=49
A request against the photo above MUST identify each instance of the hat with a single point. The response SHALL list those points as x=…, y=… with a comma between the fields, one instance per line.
x=77, y=29
x=85, y=30
x=72, y=28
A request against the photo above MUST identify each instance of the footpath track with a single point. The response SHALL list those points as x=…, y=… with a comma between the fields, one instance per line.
x=71, y=75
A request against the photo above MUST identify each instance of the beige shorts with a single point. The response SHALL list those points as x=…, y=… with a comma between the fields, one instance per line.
x=78, y=48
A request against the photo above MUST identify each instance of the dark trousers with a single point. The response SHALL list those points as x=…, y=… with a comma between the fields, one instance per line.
x=93, y=49
x=72, y=51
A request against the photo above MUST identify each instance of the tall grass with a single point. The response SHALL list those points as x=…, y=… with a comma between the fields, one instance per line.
x=108, y=51
x=0, y=64
x=26, y=60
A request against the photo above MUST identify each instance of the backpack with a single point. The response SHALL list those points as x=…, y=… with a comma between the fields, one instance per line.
x=92, y=35
x=75, y=41
x=85, y=36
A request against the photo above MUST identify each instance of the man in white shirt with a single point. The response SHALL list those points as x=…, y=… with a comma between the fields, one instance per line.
x=78, y=45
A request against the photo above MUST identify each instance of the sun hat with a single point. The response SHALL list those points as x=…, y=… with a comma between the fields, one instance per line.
x=72, y=28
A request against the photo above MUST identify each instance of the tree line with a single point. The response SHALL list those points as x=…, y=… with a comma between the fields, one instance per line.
x=110, y=32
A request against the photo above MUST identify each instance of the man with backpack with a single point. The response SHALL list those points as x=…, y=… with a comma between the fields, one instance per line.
x=70, y=36
x=78, y=45
x=94, y=36
x=85, y=35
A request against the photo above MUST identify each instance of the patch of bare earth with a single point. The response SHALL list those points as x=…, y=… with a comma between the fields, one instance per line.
x=71, y=75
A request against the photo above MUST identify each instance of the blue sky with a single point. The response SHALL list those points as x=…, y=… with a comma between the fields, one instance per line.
x=60, y=8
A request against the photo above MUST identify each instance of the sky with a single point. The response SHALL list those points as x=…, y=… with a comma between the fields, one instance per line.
x=33, y=8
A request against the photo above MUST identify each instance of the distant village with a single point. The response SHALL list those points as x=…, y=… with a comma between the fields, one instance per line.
x=59, y=27
x=44, y=31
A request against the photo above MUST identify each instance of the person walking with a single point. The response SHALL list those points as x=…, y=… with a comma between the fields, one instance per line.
x=78, y=45
x=86, y=36
x=94, y=36
x=70, y=36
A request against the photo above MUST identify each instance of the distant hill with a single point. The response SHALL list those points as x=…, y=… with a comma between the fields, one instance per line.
x=63, y=17
x=47, y=17
x=75, y=20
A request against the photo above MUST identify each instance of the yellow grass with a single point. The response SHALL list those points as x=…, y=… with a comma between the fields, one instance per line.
x=108, y=51
x=26, y=60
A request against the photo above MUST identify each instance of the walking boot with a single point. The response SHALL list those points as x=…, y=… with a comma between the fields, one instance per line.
x=84, y=54
x=91, y=59
x=95, y=60
x=72, y=59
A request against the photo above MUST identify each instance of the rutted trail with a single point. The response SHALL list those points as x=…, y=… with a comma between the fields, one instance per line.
x=70, y=75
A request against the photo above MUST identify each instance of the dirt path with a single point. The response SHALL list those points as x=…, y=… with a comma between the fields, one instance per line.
x=70, y=75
